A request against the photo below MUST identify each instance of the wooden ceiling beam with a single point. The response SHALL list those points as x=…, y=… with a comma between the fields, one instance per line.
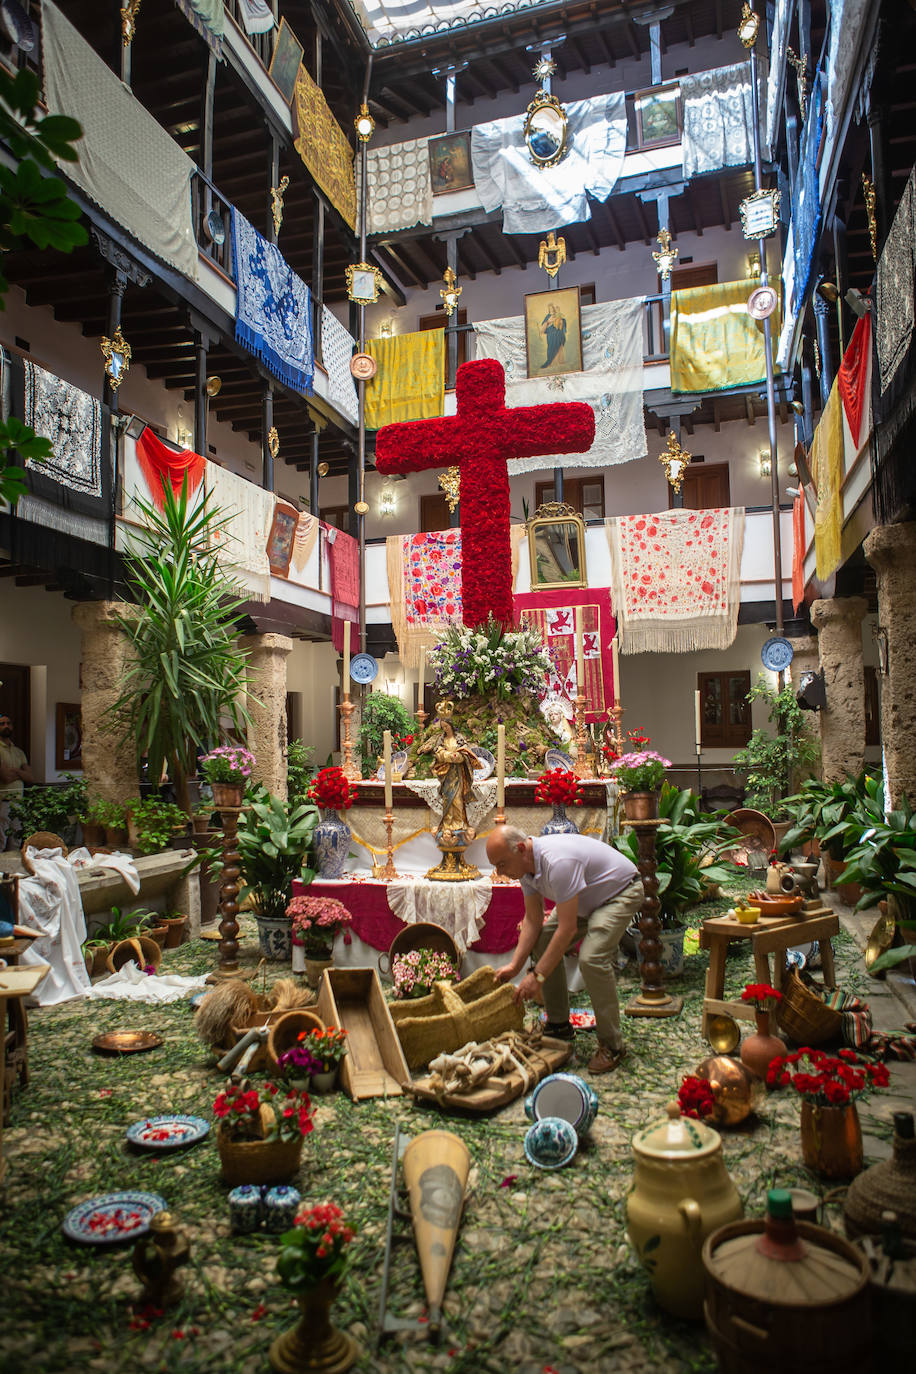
x=647, y=234
x=615, y=227
x=695, y=209
x=505, y=74
x=723, y=201
x=402, y=267
x=584, y=61
x=590, y=232
x=514, y=249
x=483, y=248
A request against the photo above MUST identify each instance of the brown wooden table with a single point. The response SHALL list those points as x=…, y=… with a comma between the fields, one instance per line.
x=15, y=984
x=771, y=935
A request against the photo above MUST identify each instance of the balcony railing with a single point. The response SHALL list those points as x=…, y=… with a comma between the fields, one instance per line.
x=263, y=43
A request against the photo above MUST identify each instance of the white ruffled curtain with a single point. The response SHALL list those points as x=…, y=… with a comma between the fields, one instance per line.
x=718, y=119
x=611, y=381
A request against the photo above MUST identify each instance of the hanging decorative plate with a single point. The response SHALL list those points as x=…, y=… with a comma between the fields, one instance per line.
x=487, y=763
x=126, y=1042
x=776, y=654
x=398, y=763
x=215, y=229
x=363, y=366
x=555, y=758
x=762, y=302
x=363, y=668
x=167, y=1132
x=112, y=1218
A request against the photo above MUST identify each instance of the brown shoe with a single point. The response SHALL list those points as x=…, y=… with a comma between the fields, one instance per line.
x=605, y=1060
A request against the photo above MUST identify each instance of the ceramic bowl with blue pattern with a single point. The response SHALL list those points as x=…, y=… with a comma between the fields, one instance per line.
x=550, y=1143
x=565, y=1095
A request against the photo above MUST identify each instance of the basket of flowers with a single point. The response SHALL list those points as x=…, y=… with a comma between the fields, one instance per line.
x=416, y=973
x=423, y=935
x=260, y=1132
x=315, y=922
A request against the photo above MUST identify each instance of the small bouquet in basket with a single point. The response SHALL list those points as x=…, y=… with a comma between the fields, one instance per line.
x=559, y=787
x=327, y=1047
x=315, y=1249
x=415, y=972
x=331, y=790
x=316, y=921
x=246, y=1113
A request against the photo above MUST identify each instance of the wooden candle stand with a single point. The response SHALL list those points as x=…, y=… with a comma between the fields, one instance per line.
x=652, y=999
x=582, y=769
x=228, y=966
x=389, y=872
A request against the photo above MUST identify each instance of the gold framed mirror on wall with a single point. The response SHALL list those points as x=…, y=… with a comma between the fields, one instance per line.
x=556, y=546
x=545, y=131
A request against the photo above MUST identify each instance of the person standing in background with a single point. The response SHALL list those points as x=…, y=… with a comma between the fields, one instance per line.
x=14, y=774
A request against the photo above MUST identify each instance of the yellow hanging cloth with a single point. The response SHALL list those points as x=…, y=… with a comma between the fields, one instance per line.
x=827, y=469
x=715, y=344
x=410, y=382
x=324, y=147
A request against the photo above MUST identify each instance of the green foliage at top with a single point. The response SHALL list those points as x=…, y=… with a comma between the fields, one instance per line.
x=821, y=810
x=380, y=713
x=300, y=769
x=688, y=852
x=109, y=814
x=273, y=840
x=187, y=680
x=125, y=924
x=772, y=763
x=54, y=808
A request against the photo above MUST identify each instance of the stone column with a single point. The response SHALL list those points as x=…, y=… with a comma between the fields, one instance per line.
x=839, y=626
x=109, y=763
x=806, y=658
x=891, y=550
x=267, y=684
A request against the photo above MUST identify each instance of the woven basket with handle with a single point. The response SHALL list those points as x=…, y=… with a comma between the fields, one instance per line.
x=422, y=935
x=139, y=948
x=453, y=1015
x=285, y=1031
x=803, y=1016
x=258, y=1161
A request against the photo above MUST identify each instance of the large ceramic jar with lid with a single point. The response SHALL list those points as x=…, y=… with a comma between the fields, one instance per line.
x=681, y=1192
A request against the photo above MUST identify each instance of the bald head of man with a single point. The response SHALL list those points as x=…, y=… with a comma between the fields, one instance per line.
x=510, y=851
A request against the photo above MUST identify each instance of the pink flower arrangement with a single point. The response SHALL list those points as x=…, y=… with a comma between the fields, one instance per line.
x=230, y=763
x=641, y=771
x=415, y=972
x=315, y=922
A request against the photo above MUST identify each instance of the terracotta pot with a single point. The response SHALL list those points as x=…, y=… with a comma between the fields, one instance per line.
x=175, y=930
x=314, y=1342
x=227, y=794
x=93, y=834
x=831, y=1139
x=640, y=806
x=759, y=1050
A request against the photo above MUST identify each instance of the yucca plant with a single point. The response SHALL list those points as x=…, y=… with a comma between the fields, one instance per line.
x=187, y=680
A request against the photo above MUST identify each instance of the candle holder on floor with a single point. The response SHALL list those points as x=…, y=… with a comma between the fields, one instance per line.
x=389, y=872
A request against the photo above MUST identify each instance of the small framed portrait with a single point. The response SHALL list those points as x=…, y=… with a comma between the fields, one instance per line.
x=450, y=163
x=281, y=538
x=553, y=332
x=658, y=116
x=284, y=64
x=68, y=737
x=363, y=283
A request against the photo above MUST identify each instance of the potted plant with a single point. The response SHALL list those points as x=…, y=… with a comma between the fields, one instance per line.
x=57, y=808
x=829, y=1087
x=176, y=929
x=880, y=852
x=260, y=1132
x=152, y=823
x=415, y=972
x=112, y=816
x=771, y=763
x=560, y=787
x=380, y=713
x=273, y=842
x=227, y=770
x=311, y=1264
x=93, y=825
x=299, y=769
x=315, y=922
x=297, y=1064
x=328, y=1048
x=331, y=790
x=639, y=775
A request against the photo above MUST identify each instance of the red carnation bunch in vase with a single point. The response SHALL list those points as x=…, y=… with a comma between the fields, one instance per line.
x=695, y=1098
x=762, y=995
x=331, y=790
x=826, y=1080
x=559, y=787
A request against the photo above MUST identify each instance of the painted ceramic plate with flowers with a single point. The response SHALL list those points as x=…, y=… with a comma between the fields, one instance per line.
x=486, y=765
x=167, y=1132
x=112, y=1218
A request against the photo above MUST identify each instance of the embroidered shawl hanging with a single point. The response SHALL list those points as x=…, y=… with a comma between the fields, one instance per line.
x=400, y=189
x=161, y=463
x=243, y=531
x=323, y=147
x=337, y=347
x=343, y=558
x=806, y=200
x=675, y=579
x=611, y=381
x=715, y=344
x=273, y=314
x=827, y=469
x=853, y=375
x=305, y=540
x=208, y=18
x=410, y=382
x=537, y=198
x=424, y=584
x=150, y=194
x=554, y=614
x=718, y=119
x=847, y=20
x=77, y=476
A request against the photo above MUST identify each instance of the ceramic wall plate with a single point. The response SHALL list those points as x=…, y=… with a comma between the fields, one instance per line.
x=398, y=764
x=126, y=1042
x=112, y=1218
x=555, y=758
x=550, y=1143
x=363, y=668
x=487, y=763
x=167, y=1132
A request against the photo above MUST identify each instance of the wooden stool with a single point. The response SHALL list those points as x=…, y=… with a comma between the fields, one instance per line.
x=15, y=1031
x=771, y=935
x=16, y=983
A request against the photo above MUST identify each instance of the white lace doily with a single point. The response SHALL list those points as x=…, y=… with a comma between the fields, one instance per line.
x=456, y=907
x=481, y=801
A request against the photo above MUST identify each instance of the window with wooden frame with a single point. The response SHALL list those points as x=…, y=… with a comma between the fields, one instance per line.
x=725, y=712
x=693, y=274
x=338, y=516
x=706, y=486
x=584, y=494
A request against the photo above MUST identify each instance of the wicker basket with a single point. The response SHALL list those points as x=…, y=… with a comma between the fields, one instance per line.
x=41, y=839
x=423, y=935
x=804, y=1017
x=285, y=1031
x=140, y=948
x=451, y=1016
x=258, y=1161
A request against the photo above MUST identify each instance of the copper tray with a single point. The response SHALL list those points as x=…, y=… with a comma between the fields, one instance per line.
x=126, y=1042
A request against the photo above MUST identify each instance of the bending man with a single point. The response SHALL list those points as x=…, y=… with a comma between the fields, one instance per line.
x=597, y=893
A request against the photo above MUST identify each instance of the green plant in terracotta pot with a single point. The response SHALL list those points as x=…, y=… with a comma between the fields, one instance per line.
x=772, y=763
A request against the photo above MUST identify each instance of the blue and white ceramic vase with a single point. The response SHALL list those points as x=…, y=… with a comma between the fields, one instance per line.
x=280, y=1206
x=332, y=845
x=245, y=1208
x=275, y=937
x=559, y=823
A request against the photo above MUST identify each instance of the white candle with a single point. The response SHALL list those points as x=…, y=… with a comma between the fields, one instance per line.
x=580, y=661
x=421, y=686
x=500, y=766
x=616, y=662
x=386, y=759
x=696, y=712
x=346, y=665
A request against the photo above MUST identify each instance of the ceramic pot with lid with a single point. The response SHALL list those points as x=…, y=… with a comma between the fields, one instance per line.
x=681, y=1193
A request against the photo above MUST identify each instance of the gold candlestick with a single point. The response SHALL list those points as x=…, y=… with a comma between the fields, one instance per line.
x=499, y=878
x=350, y=769
x=389, y=872
x=422, y=717
x=583, y=768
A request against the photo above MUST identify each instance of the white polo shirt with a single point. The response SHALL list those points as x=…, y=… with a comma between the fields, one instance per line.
x=567, y=866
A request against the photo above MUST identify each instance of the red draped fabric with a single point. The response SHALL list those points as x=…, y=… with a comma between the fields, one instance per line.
x=554, y=614
x=798, y=552
x=376, y=925
x=159, y=462
x=343, y=557
x=853, y=374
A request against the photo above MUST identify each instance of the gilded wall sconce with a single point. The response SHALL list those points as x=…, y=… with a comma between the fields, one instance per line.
x=276, y=203
x=675, y=460
x=117, y=353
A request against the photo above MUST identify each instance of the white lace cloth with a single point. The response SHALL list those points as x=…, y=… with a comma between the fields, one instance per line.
x=122, y=864
x=130, y=985
x=337, y=347
x=49, y=901
x=456, y=907
x=400, y=189
x=481, y=801
x=718, y=119
x=847, y=20
x=611, y=381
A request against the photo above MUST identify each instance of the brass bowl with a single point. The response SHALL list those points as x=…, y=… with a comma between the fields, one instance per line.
x=723, y=1033
x=880, y=939
x=736, y=1090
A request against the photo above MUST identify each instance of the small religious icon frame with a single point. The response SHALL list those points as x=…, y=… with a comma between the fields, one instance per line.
x=285, y=61
x=658, y=116
x=760, y=214
x=363, y=283
x=450, y=166
x=553, y=332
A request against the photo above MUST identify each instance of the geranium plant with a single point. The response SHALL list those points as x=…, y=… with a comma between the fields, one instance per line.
x=762, y=995
x=229, y=763
x=640, y=770
x=826, y=1080
x=415, y=972
x=326, y=1046
x=331, y=790
x=315, y=1249
x=298, y=1061
x=316, y=921
x=695, y=1098
x=238, y=1109
x=559, y=787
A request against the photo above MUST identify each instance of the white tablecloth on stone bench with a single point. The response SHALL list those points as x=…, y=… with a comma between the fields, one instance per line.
x=49, y=901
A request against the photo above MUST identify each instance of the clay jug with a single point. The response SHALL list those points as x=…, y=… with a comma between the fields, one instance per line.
x=681, y=1193
x=886, y=1187
x=759, y=1050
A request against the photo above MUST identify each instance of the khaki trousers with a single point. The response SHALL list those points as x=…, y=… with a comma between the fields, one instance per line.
x=600, y=933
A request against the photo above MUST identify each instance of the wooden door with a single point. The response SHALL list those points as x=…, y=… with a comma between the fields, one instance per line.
x=706, y=487
x=434, y=513
x=15, y=701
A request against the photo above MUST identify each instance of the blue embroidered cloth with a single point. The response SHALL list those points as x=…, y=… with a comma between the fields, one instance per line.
x=273, y=310
x=806, y=202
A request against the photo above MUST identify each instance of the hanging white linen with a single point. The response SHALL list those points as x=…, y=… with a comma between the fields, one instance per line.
x=49, y=901
x=122, y=864
x=400, y=189
x=244, y=536
x=847, y=23
x=337, y=347
x=256, y=16
x=537, y=198
x=718, y=119
x=457, y=907
x=777, y=71
x=127, y=163
x=611, y=381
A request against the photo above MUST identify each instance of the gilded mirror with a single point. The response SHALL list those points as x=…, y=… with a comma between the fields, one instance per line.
x=545, y=130
x=556, y=546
